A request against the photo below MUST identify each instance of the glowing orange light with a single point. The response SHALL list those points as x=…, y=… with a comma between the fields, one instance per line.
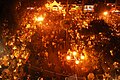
x=82, y=57
x=68, y=57
x=40, y=18
x=105, y=13
x=14, y=47
x=74, y=53
x=77, y=62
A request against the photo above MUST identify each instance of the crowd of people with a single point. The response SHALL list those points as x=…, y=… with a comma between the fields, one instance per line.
x=39, y=48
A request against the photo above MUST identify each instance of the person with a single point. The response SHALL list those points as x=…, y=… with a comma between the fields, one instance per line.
x=106, y=76
x=90, y=76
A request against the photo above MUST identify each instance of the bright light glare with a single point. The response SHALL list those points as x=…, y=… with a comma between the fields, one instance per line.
x=68, y=57
x=77, y=62
x=82, y=57
x=105, y=13
x=74, y=53
x=40, y=18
